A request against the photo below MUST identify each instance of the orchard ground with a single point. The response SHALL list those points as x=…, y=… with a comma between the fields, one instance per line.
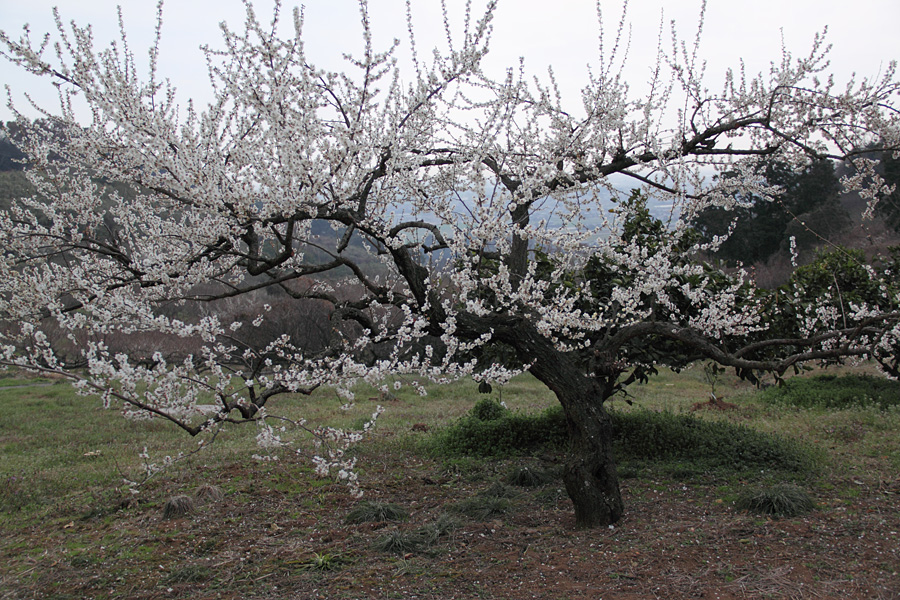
x=276, y=531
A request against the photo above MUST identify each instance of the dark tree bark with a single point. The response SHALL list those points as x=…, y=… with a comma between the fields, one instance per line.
x=590, y=469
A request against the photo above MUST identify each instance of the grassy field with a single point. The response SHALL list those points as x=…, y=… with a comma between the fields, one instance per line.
x=271, y=529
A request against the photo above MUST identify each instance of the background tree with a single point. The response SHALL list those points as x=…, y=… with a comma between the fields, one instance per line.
x=10, y=156
x=803, y=204
x=442, y=187
x=888, y=206
x=840, y=289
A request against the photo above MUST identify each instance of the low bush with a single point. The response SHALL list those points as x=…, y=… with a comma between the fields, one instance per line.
x=662, y=436
x=640, y=435
x=485, y=431
x=488, y=409
x=835, y=392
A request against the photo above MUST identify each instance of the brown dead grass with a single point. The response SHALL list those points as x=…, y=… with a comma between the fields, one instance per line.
x=268, y=540
x=279, y=533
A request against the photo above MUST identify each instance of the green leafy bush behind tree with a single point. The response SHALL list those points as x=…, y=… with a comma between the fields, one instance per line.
x=836, y=392
x=840, y=288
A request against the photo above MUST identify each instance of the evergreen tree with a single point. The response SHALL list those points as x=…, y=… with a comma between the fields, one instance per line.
x=888, y=206
x=805, y=207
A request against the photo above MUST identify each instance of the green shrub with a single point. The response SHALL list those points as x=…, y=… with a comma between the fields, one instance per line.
x=835, y=392
x=488, y=409
x=663, y=436
x=782, y=500
x=642, y=435
x=503, y=434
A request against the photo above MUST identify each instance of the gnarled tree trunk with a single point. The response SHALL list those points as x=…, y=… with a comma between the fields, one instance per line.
x=590, y=469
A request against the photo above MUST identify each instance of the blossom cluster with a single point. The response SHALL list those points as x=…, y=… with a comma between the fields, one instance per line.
x=435, y=216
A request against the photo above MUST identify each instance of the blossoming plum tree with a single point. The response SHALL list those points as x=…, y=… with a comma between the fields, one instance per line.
x=465, y=211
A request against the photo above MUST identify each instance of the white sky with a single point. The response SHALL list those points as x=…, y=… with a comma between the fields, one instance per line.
x=558, y=32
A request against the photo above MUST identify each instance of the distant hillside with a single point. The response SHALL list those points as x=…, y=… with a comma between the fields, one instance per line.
x=13, y=184
x=10, y=156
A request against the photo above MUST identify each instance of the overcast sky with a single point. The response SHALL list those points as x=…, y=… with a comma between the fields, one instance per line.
x=558, y=32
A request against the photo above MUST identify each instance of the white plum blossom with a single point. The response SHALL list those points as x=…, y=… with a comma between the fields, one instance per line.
x=311, y=228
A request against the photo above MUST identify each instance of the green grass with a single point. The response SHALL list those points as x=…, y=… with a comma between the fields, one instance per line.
x=36, y=381
x=781, y=500
x=92, y=448
x=97, y=441
x=59, y=449
x=62, y=445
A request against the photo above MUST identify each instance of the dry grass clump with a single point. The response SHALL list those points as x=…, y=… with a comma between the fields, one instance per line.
x=400, y=542
x=326, y=561
x=482, y=508
x=376, y=512
x=209, y=493
x=419, y=541
x=443, y=526
x=178, y=506
x=529, y=477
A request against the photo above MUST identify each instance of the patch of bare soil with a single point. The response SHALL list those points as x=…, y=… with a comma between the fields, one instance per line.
x=273, y=538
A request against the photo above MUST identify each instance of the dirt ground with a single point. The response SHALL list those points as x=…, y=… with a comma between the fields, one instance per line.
x=272, y=538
